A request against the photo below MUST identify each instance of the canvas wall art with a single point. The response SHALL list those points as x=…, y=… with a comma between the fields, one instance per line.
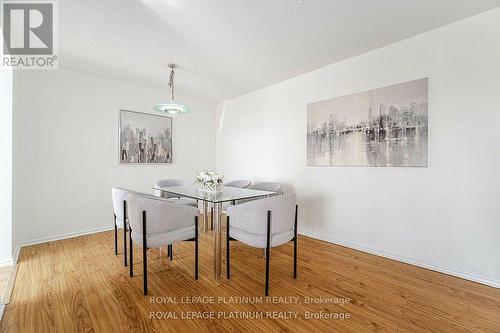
x=145, y=138
x=384, y=127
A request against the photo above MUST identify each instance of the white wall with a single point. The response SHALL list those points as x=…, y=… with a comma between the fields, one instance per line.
x=66, y=150
x=444, y=217
x=5, y=166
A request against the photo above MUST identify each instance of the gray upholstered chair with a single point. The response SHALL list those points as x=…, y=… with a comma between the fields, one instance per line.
x=235, y=183
x=268, y=186
x=263, y=223
x=238, y=183
x=157, y=222
x=120, y=220
x=173, y=197
x=265, y=186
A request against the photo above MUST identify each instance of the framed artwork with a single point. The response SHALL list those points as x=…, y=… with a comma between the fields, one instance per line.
x=144, y=138
x=384, y=127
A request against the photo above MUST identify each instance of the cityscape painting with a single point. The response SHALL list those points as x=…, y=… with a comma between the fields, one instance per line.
x=145, y=138
x=384, y=127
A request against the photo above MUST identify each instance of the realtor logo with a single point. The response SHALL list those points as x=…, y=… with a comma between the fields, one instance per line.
x=29, y=34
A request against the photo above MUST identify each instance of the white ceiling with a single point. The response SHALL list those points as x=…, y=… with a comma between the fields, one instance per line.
x=226, y=48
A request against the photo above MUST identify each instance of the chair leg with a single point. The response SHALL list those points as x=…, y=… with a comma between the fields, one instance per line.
x=125, y=246
x=295, y=244
x=131, y=249
x=171, y=255
x=116, y=236
x=228, y=246
x=268, y=247
x=212, y=218
x=196, y=247
x=144, y=253
x=125, y=232
x=295, y=257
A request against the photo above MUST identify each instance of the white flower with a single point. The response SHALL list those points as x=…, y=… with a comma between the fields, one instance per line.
x=208, y=177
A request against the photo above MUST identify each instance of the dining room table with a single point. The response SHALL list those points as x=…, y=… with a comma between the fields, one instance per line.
x=228, y=195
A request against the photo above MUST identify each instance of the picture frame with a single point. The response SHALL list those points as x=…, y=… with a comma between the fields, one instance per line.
x=381, y=127
x=144, y=138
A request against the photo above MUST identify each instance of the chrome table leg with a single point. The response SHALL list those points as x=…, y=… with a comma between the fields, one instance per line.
x=205, y=216
x=217, y=240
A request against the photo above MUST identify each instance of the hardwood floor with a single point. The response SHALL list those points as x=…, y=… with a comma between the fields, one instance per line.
x=4, y=279
x=79, y=285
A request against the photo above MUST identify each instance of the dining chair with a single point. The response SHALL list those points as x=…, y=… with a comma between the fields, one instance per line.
x=238, y=183
x=268, y=186
x=264, y=186
x=235, y=183
x=174, y=197
x=156, y=222
x=263, y=223
x=120, y=220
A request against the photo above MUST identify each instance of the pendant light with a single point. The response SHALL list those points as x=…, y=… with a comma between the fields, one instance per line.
x=172, y=107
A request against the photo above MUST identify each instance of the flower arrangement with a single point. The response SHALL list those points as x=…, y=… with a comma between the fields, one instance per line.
x=209, y=181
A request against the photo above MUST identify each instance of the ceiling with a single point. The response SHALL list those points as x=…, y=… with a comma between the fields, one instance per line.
x=226, y=48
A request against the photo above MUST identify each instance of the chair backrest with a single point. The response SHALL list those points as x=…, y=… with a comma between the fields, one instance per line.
x=119, y=195
x=239, y=183
x=170, y=182
x=268, y=186
x=161, y=215
x=251, y=216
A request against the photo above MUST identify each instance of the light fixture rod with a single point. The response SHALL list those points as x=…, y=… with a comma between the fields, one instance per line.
x=171, y=80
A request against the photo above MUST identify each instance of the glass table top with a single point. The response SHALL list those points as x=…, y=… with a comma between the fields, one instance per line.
x=228, y=193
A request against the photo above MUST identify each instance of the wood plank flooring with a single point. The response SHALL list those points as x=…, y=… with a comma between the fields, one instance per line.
x=79, y=285
x=4, y=278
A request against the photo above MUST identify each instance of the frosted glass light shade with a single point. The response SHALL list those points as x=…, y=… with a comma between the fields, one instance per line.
x=171, y=108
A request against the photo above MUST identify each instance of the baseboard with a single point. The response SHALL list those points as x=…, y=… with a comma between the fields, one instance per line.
x=412, y=261
x=56, y=238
